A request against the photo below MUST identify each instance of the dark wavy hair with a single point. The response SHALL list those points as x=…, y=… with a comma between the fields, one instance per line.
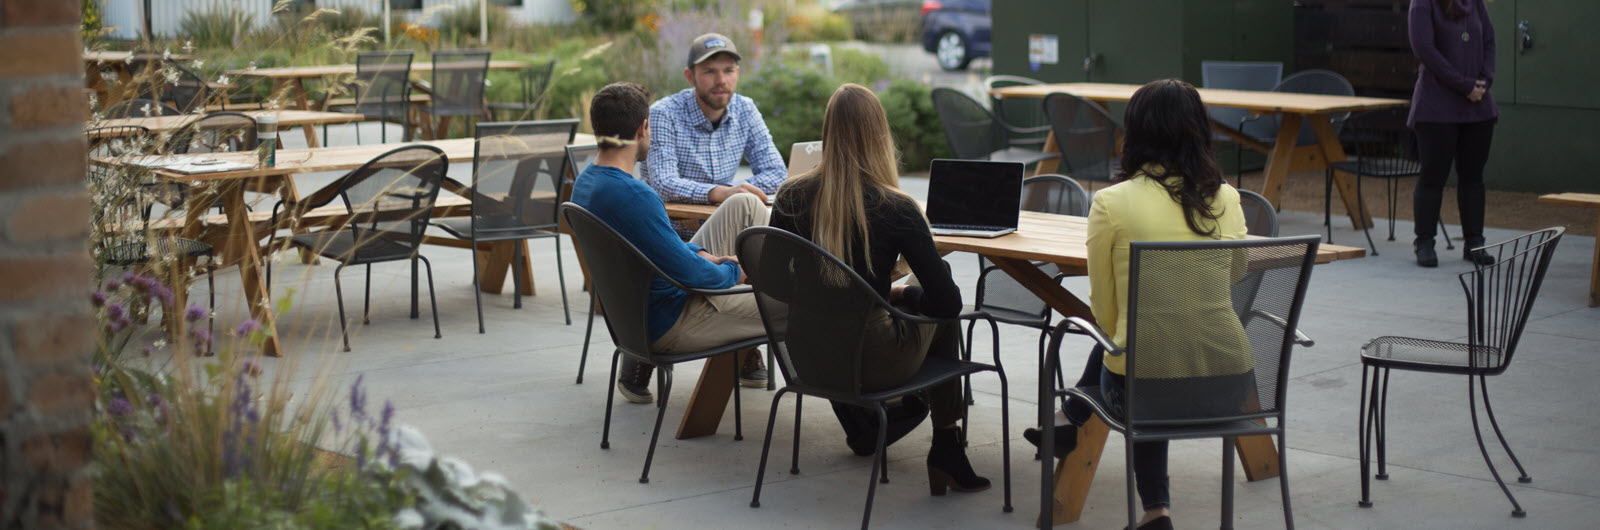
x=1167, y=126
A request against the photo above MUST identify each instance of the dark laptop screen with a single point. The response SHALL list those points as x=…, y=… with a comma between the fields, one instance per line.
x=974, y=192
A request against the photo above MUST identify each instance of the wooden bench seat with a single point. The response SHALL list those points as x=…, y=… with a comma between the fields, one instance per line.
x=1585, y=200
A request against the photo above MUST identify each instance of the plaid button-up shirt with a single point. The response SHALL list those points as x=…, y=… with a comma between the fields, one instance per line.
x=688, y=156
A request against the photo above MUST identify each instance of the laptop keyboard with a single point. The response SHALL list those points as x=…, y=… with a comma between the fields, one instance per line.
x=950, y=226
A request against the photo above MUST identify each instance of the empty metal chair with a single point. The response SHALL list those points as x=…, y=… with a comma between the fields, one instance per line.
x=382, y=91
x=1086, y=135
x=1499, y=300
x=1023, y=119
x=457, y=87
x=140, y=108
x=1239, y=75
x=1260, y=218
x=1385, y=149
x=974, y=133
x=534, y=80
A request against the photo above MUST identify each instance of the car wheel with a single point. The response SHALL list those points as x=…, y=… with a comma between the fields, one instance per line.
x=951, y=50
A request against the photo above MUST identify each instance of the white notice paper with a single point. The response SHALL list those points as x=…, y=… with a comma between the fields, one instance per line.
x=1043, y=49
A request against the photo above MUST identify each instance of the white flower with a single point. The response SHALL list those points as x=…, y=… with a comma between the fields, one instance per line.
x=197, y=64
x=166, y=54
x=409, y=519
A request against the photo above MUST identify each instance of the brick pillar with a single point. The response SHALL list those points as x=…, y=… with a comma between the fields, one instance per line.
x=46, y=328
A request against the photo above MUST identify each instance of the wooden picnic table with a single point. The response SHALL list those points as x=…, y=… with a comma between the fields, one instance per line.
x=1058, y=239
x=241, y=242
x=1586, y=200
x=161, y=124
x=121, y=64
x=1283, y=155
x=292, y=78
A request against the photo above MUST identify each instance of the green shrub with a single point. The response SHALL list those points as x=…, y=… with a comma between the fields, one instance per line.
x=792, y=101
x=350, y=19
x=217, y=27
x=914, y=123
x=462, y=25
x=612, y=15
x=859, y=67
x=815, y=24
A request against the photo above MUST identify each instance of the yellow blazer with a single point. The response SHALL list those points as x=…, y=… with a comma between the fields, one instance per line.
x=1140, y=209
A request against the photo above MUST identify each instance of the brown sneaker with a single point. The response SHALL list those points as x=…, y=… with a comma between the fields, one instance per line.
x=752, y=374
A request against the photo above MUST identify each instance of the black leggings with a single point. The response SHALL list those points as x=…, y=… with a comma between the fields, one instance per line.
x=1438, y=145
x=1149, y=458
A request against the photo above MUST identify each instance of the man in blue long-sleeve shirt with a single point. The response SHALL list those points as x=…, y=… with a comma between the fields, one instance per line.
x=678, y=321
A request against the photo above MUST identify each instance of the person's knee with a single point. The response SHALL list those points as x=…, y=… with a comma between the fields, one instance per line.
x=744, y=203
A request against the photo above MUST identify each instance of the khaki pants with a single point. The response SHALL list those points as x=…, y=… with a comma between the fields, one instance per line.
x=710, y=321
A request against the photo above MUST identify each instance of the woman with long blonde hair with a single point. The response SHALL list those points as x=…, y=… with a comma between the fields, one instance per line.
x=851, y=205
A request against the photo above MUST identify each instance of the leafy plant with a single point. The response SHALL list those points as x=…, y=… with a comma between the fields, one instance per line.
x=612, y=15
x=450, y=495
x=218, y=27
x=813, y=23
x=462, y=24
x=791, y=100
x=914, y=123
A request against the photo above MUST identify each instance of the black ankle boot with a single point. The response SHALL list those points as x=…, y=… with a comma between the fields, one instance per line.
x=1471, y=253
x=1426, y=257
x=1066, y=438
x=948, y=467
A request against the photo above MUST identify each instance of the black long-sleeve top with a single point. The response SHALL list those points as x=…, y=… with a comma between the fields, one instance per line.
x=896, y=227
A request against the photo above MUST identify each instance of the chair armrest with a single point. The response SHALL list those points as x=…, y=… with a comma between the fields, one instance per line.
x=1299, y=338
x=1026, y=130
x=1099, y=336
x=737, y=289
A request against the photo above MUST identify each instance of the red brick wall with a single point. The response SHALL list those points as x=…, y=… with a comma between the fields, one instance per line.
x=46, y=328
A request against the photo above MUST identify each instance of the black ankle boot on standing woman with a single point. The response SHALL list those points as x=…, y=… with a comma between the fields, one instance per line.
x=948, y=467
x=1472, y=254
x=1425, y=254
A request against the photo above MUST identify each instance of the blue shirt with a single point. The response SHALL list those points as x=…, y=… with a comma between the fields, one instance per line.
x=688, y=156
x=633, y=210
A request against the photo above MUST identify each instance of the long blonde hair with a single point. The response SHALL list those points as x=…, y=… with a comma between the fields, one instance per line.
x=857, y=152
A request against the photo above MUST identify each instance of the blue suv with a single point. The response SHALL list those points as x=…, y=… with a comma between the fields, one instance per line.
x=955, y=31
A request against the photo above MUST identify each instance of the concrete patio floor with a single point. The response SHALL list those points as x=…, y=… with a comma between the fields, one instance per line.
x=505, y=401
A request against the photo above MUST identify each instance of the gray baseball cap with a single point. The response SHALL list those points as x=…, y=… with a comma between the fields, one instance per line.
x=710, y=44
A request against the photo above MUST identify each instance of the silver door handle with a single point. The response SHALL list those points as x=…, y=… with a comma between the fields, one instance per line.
x=1088, y=62
x=1524, y=36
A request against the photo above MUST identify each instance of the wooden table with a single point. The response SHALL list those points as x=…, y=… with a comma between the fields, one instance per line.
x=1586, y=200
x=1058, y=239
x=161, y=124
x=292, y=78
x=241, y=243
x=1283, y=155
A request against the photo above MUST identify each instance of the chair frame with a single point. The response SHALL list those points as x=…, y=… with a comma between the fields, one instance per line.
x=854, y=396
x=1025, y=137
x=358, y=90
x=1363, y=167
x=1113, y=143
x=1208, y=428
x=999, y=135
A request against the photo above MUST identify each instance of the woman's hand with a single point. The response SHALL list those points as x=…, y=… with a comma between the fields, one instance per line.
x=897, y=293
x=1478, y=91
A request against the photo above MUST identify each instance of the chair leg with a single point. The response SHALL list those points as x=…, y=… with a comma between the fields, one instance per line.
x=1367, y=227
x=415, y=308
x=211, y=316
x=611, y=394
x=1383, y=425
x=338, y=294
x=663, y=387
x=1327, y=203
x=1391, y=190
x=738, y=425
x=1472, y=404
x=1283, y=476
x=766, y=445
x=966, y=355
x=772, y=369
x=366, y=299
x=561, y=279
x=794, y=459
x=433, y=301
x=883, y=456
x=1127, y=452
x=1446, y=233
x=872, y=480
x=477, y=296
x=1227, y=483
x=1483, y=385
x=1005, y=434
x=516, y=274
x=1367, y=408
x=588, y=330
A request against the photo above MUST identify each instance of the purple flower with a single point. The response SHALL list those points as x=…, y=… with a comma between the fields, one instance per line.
x=140, y=283
x=119, y=324
x=97, y=298
x=145, y=351
x=338, y=426
x=247, y=327
x=201, y=335
x=119, y=407
x=195, y=312
x=251, y=368
x=113, y=284
x=160, y=291
x=358, y=400
x=116, y=311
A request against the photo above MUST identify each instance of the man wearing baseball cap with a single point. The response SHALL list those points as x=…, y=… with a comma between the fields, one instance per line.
x=698, y=137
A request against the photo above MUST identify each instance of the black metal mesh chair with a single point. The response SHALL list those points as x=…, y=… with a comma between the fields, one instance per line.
x=1314, y=81
x=1260, y=218
x=1384, y=149
x=457, y=87
x=382, y=90
x=515, y=191
x=140, y=108
x=217, y=132
x=535, y=79
x=1499, y=300
x=398, y=188
x=622, y=277
x=185, y=90
x=1197, y=369
x=579, y=157
x=974, y=133
x=1023, y=118
x=1239, y=75
x=1086, y=135
x=815, y=309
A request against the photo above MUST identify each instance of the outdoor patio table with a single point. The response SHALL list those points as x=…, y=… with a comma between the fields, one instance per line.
x=1585, y=200
x=1283, y=155
x=293, y=78
x=1058, y=239
x=162, y=124
x=240, y=244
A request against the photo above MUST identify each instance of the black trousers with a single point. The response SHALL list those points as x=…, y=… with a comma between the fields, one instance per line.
x=1149, y=458
x=1466, y=145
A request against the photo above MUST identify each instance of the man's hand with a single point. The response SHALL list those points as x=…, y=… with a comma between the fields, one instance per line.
x=716, y=260
x=722, y=193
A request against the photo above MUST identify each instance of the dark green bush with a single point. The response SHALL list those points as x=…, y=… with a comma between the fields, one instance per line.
x=217, y=27
x=461, y=26
x=791, y=100
x=914, y=123
x=612, y=15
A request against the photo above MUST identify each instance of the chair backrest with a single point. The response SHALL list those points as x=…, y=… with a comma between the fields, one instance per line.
x=1085, y=134
x=516, y=175
x=120, y=140
x=1055, y=194
x=383, y=82
x=398, y=186
x=186, y=90
x=535, y=79
x=620, y=276
x=458, y=81
x=579, y=158
x=1019, y=113
x=1260, y=218
x=217, y=132
x=973, y=133
x=115, y=190
x=140, y=108
x=1198, y=350
x=1323, y=82
x=1500, y=296
x=1239, y=75
x=1382, y=143
x=815, y=309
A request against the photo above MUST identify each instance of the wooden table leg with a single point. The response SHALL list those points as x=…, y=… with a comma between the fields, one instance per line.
x=1332, y=152
x=1594, y=276
x=1048, y=166
x=496, y=262
x=1074, y=474
x=710, y=397
x=1279, y=160
x=299, y=88
x=1052, y=293
x=242, y=249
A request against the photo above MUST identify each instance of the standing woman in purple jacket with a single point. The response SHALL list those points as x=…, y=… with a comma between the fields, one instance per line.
x=1453, y=114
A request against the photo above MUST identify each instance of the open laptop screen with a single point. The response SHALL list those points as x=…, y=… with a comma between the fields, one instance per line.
x=974, y=193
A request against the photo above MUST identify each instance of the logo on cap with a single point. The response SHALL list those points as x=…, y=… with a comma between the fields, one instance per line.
x=716, y=43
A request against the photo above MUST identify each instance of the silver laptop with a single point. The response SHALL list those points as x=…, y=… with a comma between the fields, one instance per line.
x=804, y=156
x=974, y=198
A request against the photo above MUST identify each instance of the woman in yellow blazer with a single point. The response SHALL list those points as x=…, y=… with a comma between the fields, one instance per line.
x=1169, y=189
